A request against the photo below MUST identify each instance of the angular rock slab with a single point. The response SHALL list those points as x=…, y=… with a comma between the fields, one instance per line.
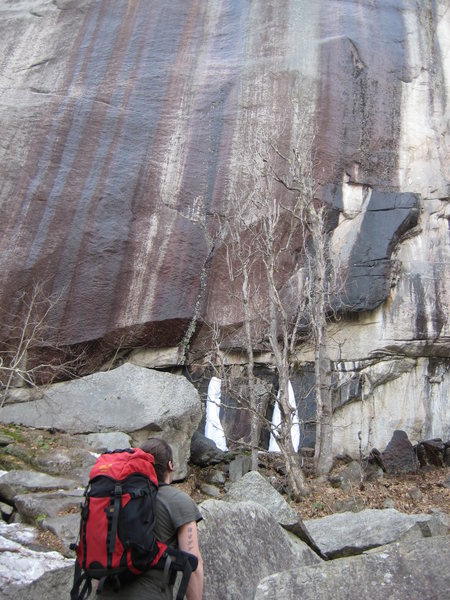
x=416, y=571
x=349, y=533
x=127, y=399
x=108, y=441
x=43, y=505
x=65, y=527
x=14, y=483
x=204, y=451
x=241, y=543
x=254, y=487
x=28, y=573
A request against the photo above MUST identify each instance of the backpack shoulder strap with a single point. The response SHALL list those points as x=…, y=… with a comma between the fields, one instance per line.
x=80, y=578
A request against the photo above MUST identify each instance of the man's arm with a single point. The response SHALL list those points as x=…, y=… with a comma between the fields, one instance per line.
x=188, y=541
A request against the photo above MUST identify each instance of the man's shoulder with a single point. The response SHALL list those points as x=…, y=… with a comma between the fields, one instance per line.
x=180, y=506
x=171, y=492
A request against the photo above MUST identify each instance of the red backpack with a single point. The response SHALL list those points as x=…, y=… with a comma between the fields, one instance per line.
x=116, y=539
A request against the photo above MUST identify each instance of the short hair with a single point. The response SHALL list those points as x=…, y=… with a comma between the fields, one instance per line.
x=162, y=453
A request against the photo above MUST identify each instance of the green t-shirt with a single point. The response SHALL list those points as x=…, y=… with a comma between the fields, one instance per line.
x=173, y=509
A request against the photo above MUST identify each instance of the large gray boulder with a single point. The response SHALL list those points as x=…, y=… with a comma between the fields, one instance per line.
x=30, y=573
x=256, y=488
x=416, y=571
x=129, y=399
x=36, y=507
x=240, y=544
x=14, y=483
x=348, y=533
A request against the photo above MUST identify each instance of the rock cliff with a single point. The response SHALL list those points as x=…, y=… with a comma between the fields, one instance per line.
x=125, y=126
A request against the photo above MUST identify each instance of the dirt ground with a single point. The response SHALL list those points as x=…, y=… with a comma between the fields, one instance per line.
x=419, y=492
x=412, y=493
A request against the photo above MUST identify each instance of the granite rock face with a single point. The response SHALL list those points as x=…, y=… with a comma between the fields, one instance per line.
x=125, y=128
x=382, y=574
x=250, y=531
x=28, y=571
x=346, y=534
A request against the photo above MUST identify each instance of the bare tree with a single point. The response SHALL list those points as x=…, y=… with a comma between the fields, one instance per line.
x=259, y=236
x=320, y=284
x=277, y=254
x=241, y=260
x=30, y=354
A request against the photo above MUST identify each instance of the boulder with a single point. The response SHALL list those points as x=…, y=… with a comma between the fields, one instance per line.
x=353, y=504
x=65, y=527
x=217, y=477
x=101, y=442
x=36, y=507
x=240, y=544
x=254, y=487
x=349, y=477
x=5, y=440
x=130, y=398
x=239, y=467
x=399, y=455
x=348, y=533
x=6, y=511
x=402, y=571
x=31, y=573
x=74, y=462
x=431, y=452
x=14, y=483
x=204, y=451
x=210, y=490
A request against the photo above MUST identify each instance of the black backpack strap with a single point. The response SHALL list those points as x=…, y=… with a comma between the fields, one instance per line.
x=112, y=513
x=78, y=579
x=167, y=577
x=187, y=572
x=180, y=561
x=111, y=578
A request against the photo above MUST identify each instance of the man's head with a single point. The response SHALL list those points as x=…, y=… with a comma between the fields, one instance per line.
x=162, y=453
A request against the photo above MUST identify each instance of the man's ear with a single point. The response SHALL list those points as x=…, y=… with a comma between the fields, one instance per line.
x=170, y=466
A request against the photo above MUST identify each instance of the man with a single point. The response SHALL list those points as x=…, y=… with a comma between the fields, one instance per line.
x=177, y=516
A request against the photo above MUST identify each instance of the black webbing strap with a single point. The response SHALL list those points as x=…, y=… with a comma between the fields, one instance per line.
x=112, y=513
x=111, y=578
x=83, y=526
x=167, y=577
x=187, y=572
x=179, y=561
x=78, y=579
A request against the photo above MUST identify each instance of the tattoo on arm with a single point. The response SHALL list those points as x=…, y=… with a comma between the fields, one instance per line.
x=190, y=538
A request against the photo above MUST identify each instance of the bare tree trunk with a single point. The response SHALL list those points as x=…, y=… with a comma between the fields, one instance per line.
x=294, y=471
x=323, y=455
x=254, y=413
x=280, y=349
